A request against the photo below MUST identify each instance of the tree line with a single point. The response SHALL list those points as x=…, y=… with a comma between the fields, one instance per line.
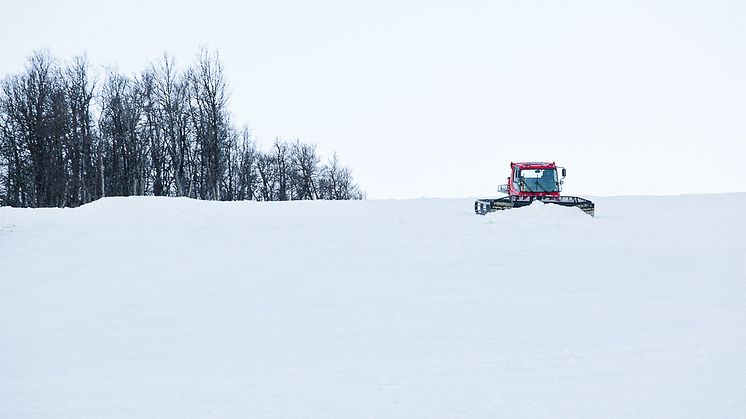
x=67, y=138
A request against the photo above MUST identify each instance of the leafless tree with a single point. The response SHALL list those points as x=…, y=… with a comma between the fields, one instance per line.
x=66, y=140
x=34, y=135
x=336, y=182
x=172, y=98
x=305, y=167
x=265, y=167
x=126, y=152
x=210, y=121
x=84, y=173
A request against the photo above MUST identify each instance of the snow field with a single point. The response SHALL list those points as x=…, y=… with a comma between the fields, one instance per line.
x=157, y=307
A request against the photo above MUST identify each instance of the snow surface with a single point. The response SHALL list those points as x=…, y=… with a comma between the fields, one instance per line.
x=157, y=307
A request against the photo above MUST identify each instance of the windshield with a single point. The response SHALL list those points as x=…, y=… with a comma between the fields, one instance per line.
x=539, y=180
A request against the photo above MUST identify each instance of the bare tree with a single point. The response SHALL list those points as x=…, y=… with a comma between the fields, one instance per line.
x=17, y=175
x=172, y=98
x=65, y=140
x=336, y=182
x=126, y=152
x=281, y=160
x=242, y=170
x=82, y=154
x=265, y=167
x=305, y=164
x=152, y=132
x=210, y=120
x=34, y=134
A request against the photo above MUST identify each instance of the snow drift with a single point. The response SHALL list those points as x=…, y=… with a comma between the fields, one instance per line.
x=148, y=307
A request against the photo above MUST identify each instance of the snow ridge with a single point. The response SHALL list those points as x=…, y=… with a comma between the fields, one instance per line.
x=148, y=307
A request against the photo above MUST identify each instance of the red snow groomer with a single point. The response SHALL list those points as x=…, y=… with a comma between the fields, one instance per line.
x=529, y=182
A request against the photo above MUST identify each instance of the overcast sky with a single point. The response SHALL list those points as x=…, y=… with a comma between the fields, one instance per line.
x=436, y=98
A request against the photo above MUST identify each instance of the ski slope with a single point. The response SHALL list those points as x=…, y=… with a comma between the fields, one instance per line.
x=174, y=308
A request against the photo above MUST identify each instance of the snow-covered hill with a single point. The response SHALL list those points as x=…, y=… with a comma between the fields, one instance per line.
x=153, y=308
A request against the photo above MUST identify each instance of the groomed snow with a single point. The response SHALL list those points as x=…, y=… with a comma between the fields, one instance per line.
x=174, y=308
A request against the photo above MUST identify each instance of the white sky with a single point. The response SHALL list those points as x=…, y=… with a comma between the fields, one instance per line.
x=435, y=98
